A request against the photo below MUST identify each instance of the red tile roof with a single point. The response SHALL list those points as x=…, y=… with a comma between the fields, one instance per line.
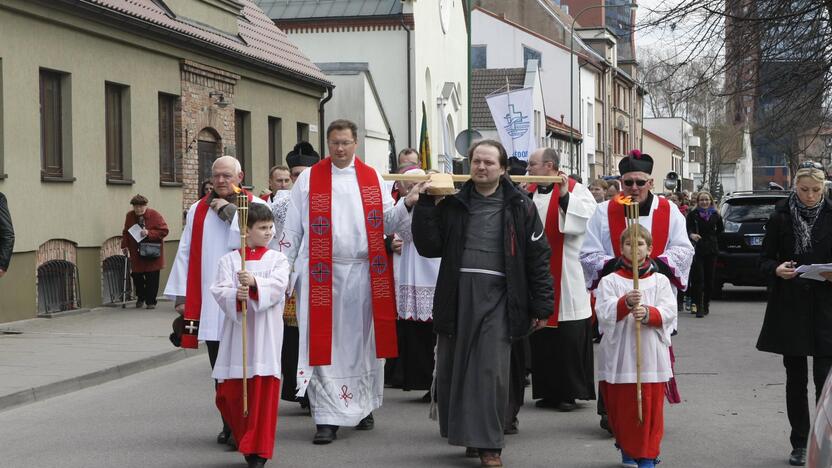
x=562, y=128
x=259, y=38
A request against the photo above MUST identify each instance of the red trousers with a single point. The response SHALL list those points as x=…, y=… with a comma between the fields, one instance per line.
x=637, y=441
x=254, y=434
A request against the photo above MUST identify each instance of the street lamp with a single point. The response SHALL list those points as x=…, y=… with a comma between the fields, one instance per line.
x=632, y=7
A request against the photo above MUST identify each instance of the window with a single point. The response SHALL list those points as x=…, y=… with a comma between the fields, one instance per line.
x=117, y=131
x=590, y=119
x=55, y=126
x=275, y=142
x=479, y=56
x=531, y=54
x=168, y=162
x=242, y=142
x=303, y=132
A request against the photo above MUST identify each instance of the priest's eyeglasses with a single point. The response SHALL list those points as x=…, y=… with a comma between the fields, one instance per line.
x=630, y=182
x=810, y=165
x=341, y=144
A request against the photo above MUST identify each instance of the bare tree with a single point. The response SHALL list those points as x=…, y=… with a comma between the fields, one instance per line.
x=771, y=57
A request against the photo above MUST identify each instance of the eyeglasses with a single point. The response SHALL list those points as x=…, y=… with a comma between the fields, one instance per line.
x=338, y=144
x=630, y=182
x=810, y=165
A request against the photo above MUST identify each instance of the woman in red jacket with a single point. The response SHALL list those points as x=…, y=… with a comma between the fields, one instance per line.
x=145, y=260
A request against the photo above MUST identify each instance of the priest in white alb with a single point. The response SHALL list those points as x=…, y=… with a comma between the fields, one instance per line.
x=211, y=231
x=672, y=250
x=562, y=359
x=338, y=215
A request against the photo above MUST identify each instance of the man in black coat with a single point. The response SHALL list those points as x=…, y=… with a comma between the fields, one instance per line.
x=494, y=287
x=6, y=236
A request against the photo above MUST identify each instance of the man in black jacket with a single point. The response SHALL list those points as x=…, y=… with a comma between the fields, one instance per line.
x=6, y=236
x=494, y=287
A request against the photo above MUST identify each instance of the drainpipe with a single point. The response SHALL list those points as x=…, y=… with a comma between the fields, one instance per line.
x=321, y=121
x=409, y=86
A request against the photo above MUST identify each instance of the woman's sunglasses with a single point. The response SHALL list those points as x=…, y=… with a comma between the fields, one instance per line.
x=630, y=182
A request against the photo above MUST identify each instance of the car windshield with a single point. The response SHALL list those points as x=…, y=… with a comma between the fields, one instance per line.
x=748, y=210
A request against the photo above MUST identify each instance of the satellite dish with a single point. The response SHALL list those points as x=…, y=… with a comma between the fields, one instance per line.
x=465, y=139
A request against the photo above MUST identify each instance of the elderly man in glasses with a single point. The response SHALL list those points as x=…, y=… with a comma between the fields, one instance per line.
x=672, y=252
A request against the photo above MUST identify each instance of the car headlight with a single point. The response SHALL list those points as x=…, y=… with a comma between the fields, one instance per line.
x=731, y=226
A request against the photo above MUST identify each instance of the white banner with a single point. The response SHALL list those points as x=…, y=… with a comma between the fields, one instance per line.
x=513, y=115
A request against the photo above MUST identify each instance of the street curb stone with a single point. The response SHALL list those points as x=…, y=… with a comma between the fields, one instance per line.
x=43, y=392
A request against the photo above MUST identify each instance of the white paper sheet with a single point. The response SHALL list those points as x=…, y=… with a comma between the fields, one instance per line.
x=136, y=231
x=814, y=271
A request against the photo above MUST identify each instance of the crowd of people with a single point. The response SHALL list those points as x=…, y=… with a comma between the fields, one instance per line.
x=351, y=284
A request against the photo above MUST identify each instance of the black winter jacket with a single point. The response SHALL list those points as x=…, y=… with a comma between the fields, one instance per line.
x=439, y=231
x=709, y=230
x=798, y=320
x=6, y=234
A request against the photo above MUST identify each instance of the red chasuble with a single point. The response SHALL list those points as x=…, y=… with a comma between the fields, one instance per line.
x=193, y=286
x=556, y=239
x=660, y=227
x=320, y=263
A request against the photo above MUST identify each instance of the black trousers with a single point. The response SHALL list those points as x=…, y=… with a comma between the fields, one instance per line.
x=147, y=287
x=797, y=383
x=213, y=351
x=702, y=280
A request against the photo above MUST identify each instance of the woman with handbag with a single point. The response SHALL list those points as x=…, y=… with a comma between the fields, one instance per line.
x=147, y=255
x=704, y=227
x=798, y=319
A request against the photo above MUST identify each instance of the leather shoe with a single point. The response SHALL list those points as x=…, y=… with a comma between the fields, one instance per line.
x=545, y=403
x=223, y=436
x=512, y=428
x=325, y=434
x=798, y=457
x=255, y=461
x=489, y=458
x=366, y=424
x=567, y=406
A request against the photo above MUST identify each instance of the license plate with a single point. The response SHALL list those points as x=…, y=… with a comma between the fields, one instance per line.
x=755, y=241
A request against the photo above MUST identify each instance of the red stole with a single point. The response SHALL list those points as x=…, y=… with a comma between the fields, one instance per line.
x=193, y=284
x=660, y=226
x=556, y=239
x=320, y=263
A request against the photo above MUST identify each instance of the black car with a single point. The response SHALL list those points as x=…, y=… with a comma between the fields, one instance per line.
x=745, y=215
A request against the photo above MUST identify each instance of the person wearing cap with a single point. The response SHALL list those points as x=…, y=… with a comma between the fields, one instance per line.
x=672, y=253
x=144, y=268
x=302, y=156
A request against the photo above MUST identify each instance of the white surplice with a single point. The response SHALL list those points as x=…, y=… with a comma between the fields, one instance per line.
x=415, y=278
x=264, y=317
x=597, y=249
x=574, y=298
x=218, y=238
x=617, y=351
x=352, y=386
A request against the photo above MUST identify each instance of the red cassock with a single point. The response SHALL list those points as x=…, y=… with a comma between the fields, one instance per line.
x=255, y=433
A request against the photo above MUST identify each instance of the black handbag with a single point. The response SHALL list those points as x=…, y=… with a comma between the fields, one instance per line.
x=150, y=249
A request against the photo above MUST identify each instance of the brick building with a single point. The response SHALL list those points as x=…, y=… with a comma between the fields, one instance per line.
x=103, y=99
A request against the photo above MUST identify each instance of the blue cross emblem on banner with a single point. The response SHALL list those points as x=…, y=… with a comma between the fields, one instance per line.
x=320, y=272
x=320, y=225
x=375, y=218
x=517, y=124
x=379, y=264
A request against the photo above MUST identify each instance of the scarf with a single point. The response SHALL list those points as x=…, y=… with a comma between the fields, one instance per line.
x=706, y=213
x=803, y=220
x=646, y=268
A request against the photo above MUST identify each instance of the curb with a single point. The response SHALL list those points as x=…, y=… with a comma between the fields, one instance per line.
x=62, y=387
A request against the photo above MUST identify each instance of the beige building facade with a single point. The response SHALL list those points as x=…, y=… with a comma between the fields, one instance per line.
x=103, y=99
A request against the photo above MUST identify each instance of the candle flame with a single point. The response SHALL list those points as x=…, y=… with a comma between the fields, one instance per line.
x=623, y=200
x=236, y=189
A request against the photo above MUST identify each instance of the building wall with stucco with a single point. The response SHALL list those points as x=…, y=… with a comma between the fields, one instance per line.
x=73, y=218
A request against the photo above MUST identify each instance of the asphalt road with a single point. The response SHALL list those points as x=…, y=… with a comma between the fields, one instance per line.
x=733, y=415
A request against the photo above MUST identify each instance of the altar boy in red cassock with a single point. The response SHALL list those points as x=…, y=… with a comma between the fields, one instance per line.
x=619, y=306
x=263, y=286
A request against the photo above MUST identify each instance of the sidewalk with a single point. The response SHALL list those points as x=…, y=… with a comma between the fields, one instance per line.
x=45, y=357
